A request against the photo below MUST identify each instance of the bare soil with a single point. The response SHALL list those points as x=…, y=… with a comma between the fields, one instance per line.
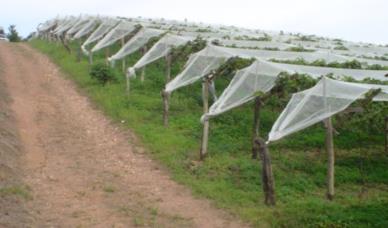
x=64, y=164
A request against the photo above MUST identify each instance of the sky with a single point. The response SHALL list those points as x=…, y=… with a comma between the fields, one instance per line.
x=354, y=20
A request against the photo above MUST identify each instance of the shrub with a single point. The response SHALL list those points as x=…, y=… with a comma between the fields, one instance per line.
x=13, y=35
x=102, y=73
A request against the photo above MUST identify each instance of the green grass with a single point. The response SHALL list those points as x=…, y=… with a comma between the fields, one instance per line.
x=17, y=190
x=228, y=176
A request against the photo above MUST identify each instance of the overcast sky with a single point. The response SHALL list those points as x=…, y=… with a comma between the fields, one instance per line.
x=356, y=20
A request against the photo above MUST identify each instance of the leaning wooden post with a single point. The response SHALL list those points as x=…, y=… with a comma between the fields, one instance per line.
x=268, y=181
x=168, y=67
x=123, y=61
x=205, y=133
x=144, y=50
x=256, y=127
x=166, y=100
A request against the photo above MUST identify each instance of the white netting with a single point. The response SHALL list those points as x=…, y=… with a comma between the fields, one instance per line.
x=60, y=24
x=198, y=65
x=261, y=77
x=212, y=57
x=136, y=42
x=325, y=99
x=162, y=48
x=120, y=31
x=100, y=32
x=48, y=25
x=255, y=44
x=87, y=28
x=77, y=26
x=60, y=31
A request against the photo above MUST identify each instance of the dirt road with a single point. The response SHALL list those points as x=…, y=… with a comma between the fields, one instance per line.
x=77, y=168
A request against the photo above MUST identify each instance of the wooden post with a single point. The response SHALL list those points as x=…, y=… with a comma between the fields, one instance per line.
x=79, y=51
x=330, y=160
x=123, y=61
x=386, y=135
x=107, y=53
x=205, y=133
x=65, y=44
x=90, y=58
x=256, y=127
x=166, y=99
x=143, y=69
x=168, y=68
x=329, y=147
x=268, y=181
x=128, y=84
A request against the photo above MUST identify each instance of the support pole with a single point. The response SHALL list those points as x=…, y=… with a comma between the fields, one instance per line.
x=205, y=133
x=329, y=147
x=166, y=100
x=90, y=58
x=143, y=69
x=330, y=160
x=79, y=51
x=123, y=61
x=107, y=53
x=128, y=84
x=168, y=68
x=256, y=127
x=268, y=181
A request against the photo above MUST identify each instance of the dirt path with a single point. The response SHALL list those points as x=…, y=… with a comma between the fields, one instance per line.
x=80, y=168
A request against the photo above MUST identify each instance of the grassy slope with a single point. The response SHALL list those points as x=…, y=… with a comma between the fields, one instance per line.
x=229, y=177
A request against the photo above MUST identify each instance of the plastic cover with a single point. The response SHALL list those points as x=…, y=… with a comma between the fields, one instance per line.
x=87, y=28
x=77, y=26
x=327, y=98
x=120, y=31
x=212, y=57
x=136, y=42
x=162, y=48
x=104, y=28
x=65, y=27
x=261, y=76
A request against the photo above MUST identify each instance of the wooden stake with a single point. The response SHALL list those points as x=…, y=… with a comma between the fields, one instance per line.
x=205, y=133
x=329, y=148
x=79, y=51
x=128, y=84
x=166, y=99
x=330, y=160
x=107, y=53
x=90, y=58
x=168, y=68
x=268, y=181
x=256, y=127
x=143, y=69
x=123, y=61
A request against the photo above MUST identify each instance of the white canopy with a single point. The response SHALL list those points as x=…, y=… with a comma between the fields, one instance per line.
x=261, y=77
x=327, y=98
x=162, y=48
x=120, y=31
x=104, y=28
x=136, y=42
